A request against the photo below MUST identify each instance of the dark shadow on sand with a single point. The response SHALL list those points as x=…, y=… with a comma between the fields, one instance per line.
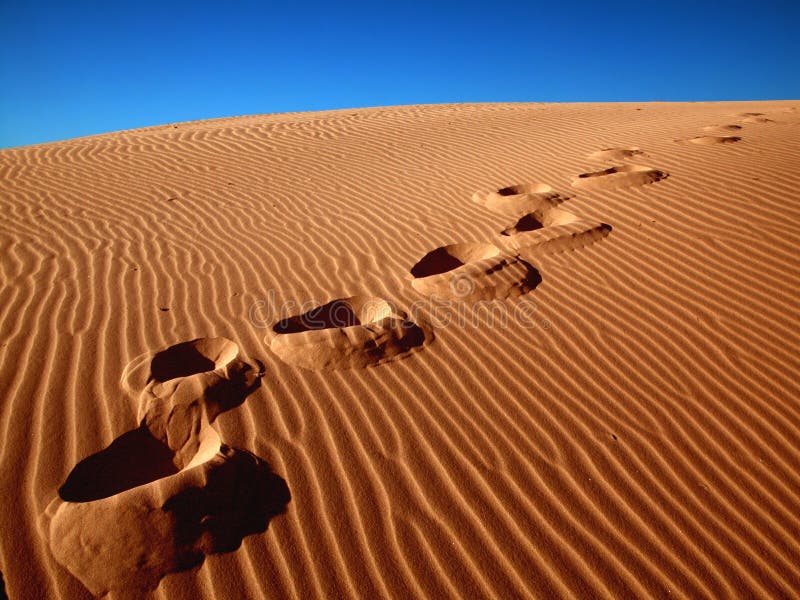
x=240, y=498
x=134, y=458
x=335, y=314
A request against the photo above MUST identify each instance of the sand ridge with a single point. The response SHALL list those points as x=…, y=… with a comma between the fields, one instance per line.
x=635, y=435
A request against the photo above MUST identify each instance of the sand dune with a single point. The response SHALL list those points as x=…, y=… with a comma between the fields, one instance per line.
x=407, y=352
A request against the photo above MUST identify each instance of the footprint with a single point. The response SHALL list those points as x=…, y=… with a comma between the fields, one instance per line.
x=722, y=128
x=354, y=332
x=751, y=114
x=709, y=140
x=619, y=177
x=206, y=367
x=472, y=272
x=202, y=355
x=756, y=119
x=517, y=200
x=551, y=231
x=557, y=238
x=616, y=153
x=164, y=495
x=546, y=217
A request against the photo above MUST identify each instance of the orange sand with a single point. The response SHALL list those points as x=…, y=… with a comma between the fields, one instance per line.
x=602, y=400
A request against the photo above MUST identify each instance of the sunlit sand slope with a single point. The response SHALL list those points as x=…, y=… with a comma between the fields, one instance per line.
x=468, y=351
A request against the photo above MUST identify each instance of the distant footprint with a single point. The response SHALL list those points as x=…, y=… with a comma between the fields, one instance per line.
x=550, y=231
x=751, y=114
x=616, y=153
x=517, y=200
x=710, y=140
x=164, y=495
x=354, y=332
x=472, y=272
x=722, y=128
x=619, y=177
x=756, y=119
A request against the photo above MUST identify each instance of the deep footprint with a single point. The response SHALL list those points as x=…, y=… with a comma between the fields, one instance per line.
x=190, y=358
x=162, y=496
x=619, y=177
x=547, y=217
x=354, y=332
x=472, y=272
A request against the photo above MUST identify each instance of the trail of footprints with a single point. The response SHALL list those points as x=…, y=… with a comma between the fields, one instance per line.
x=724, y=131
x=164, y=495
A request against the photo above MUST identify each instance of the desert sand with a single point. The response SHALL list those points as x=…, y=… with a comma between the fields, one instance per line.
x=441, y=351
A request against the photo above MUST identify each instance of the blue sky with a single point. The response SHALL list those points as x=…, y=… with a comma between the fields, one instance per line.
x=77, y=68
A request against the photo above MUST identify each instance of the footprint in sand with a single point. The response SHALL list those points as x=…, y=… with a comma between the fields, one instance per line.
x=551, y=230
x=517, y=200
x=542, y=227
x=164, y=495
x=757, y=120
x=710, y=140
x=754, y=117
x=472, y=272
x=354, y=332
x=616, y=153
x=619, y=177
x=722, y=128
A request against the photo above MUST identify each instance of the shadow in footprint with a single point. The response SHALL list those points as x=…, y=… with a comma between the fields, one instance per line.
x=239, y=499
x=525, y=188
x=134, y=458
x=190, y=358
x=448, y=258
x=338, y=313
x=530, y=222
x=470, y=272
